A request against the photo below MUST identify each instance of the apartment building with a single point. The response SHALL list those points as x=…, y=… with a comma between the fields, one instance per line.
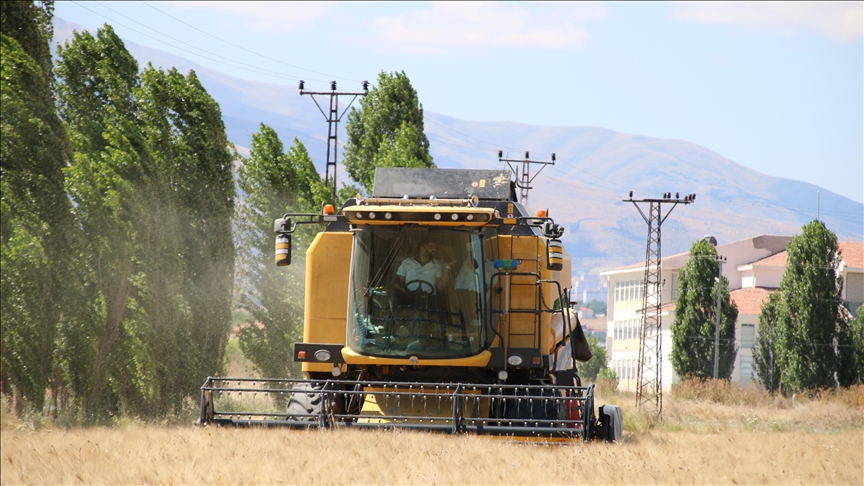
x=753, y=267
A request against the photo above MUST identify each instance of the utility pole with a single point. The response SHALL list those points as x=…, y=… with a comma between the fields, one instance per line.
x=649, y=385
x=333, y=119
x=524, y=182
x=720, y=261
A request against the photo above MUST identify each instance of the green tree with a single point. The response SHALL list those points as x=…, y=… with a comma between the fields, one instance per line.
x=387, y=131
x=273, y=183
x=184, y=128
x=29, y=23
x=118, y=195
x=38, y=235
x=588, y=370
x=597, y=307
x=693, y=330
x=851, y=351
x=189, y=251
x=812, y=292
x=765, y=349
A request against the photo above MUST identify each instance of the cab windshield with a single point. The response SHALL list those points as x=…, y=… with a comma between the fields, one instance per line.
x=417, y=291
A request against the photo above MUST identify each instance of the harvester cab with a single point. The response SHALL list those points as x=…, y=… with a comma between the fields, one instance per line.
x=437, y=303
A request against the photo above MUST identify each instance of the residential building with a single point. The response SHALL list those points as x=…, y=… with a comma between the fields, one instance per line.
x=754, y=268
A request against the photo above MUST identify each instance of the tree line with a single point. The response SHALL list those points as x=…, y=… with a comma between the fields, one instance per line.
x=126, y=244
x=807, y=338
x=118, y=200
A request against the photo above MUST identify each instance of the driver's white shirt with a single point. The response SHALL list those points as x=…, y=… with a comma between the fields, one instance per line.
x=412, y=270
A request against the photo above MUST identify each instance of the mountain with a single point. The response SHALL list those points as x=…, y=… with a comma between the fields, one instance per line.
x=595, y=169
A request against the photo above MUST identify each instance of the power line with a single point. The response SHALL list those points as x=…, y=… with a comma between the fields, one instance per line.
x=253, y=69
x=524, y=182
x=842, y=215
x=260, y=69
x=245, y=49
x=565, y=161
x=774, y=341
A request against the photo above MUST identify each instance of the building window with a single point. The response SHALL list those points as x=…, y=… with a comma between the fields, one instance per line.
x=745, y=375
x=748, y=335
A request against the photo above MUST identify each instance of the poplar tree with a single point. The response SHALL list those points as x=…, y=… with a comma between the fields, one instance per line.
x=693, y=330
x=37, y=277
x=112, y=182
x=184, y=127
x=765, y=348
x=274, y=182
x=191, y=261
x=807, y=333
x=387, y=130
x=851, y=351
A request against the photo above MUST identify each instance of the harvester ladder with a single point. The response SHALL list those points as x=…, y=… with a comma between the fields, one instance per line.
x=535, y=309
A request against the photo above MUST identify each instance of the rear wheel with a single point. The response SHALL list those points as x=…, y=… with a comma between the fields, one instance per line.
x=610, y=423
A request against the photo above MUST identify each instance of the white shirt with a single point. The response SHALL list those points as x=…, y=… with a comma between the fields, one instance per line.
x=411, y=270
x=468, y=276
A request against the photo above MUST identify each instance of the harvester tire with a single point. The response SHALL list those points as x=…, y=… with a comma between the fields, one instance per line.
x=303, y=405
x=611, y=421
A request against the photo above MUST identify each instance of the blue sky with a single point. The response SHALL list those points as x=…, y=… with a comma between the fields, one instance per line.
x=777, y=86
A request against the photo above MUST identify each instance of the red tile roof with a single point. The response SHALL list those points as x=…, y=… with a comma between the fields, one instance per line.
x=852, y=253
x=775, y=260
x=750, y=299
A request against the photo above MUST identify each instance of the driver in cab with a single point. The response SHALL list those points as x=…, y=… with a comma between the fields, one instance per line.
x=423, y=274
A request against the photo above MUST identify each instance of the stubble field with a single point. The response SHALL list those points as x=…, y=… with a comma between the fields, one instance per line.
x=731, y=439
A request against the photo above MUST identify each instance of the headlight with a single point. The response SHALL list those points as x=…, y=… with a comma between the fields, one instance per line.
x=323, y=355
x=514, y=360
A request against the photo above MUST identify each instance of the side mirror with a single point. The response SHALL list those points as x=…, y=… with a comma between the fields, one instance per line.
x=554, y=254
x=283, y=241
x=283, y=250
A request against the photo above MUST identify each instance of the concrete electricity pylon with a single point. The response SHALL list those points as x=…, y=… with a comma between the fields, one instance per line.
x=524, y=181
x=333, y=117
x=649, y=383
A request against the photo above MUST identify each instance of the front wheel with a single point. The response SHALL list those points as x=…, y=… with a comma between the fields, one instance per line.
x=305, y=403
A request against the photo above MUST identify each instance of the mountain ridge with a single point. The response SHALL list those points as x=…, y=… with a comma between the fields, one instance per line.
x=595, y=170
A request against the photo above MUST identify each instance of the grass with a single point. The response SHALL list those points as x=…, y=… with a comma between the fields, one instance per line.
x=705, y=437
x=697, y=406
x=189, y=455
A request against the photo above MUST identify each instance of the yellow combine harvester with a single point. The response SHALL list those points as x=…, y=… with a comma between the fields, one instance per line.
x=438, y=303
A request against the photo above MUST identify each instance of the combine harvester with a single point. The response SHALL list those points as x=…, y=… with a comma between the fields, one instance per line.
x=437, y=304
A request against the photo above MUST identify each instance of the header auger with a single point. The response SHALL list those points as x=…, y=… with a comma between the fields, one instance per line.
x=436, y=304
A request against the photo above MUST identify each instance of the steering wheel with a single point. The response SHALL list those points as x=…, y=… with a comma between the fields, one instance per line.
x=420, y=285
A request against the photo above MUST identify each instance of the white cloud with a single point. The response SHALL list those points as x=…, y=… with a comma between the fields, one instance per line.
x=840, y=21
x=445, y=26
x=267, y=16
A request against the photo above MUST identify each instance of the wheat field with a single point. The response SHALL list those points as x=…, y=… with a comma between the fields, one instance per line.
x=782, y=441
